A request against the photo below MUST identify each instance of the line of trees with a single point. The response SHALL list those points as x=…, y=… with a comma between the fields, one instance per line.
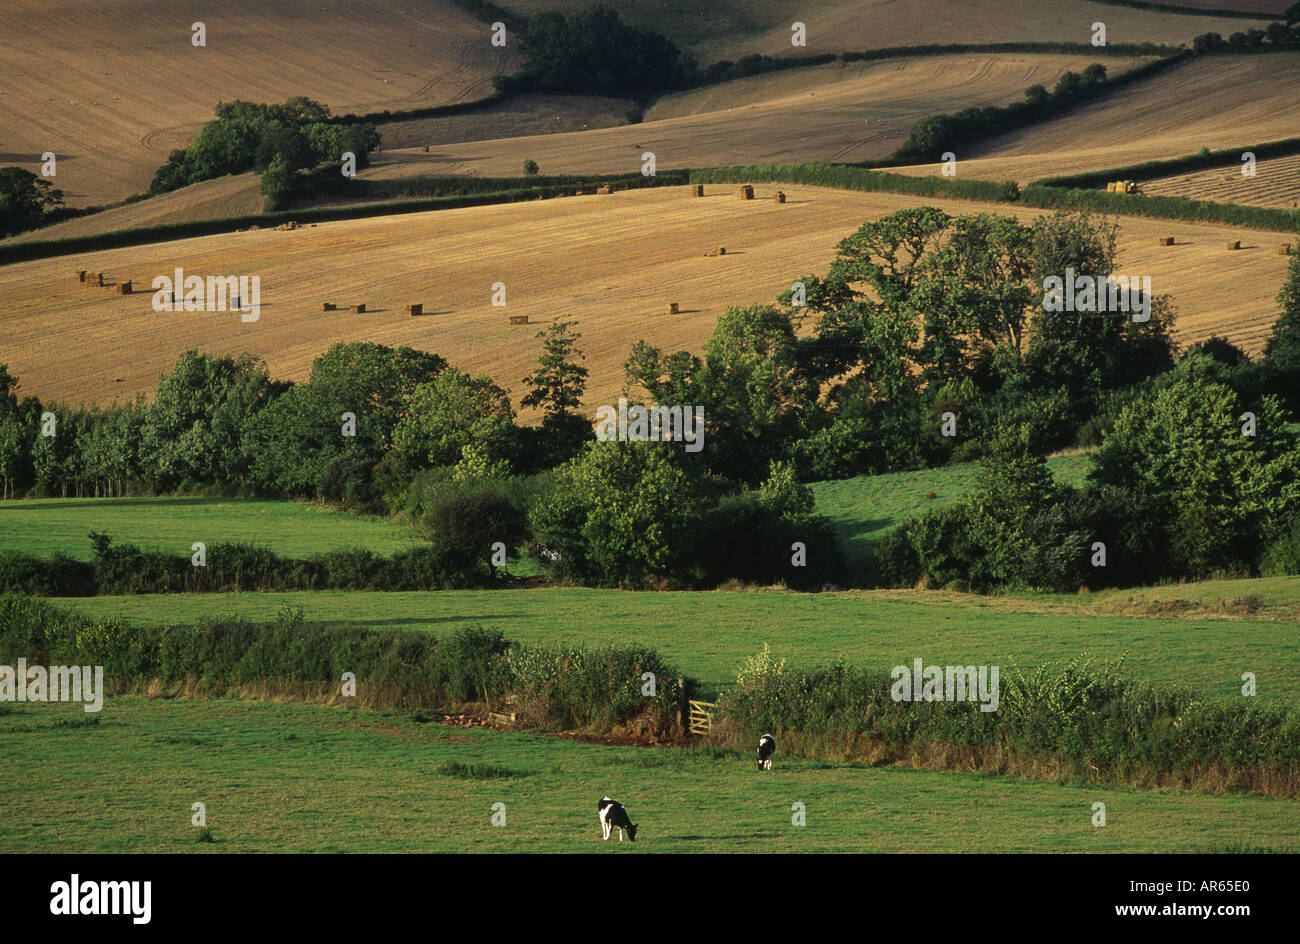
x=925, y=342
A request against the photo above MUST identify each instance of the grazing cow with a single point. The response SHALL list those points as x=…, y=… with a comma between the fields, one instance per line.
x=612, y=817
x=766, y=748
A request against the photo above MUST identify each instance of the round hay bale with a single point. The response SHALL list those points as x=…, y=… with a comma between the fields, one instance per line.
x=697, y=190
x=747, y=191
x=672, y=309
x=81, y=275
x=780, y=196
x=722, y=250
x=1234, y=244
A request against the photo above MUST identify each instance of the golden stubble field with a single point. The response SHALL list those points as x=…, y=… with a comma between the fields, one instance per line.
x=1276, y=184
x=111, y=88
x=1220, y=102
x=834, y=113
x=611, y=263
x=729, y=29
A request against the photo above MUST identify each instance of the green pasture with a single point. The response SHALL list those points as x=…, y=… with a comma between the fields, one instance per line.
x=309, y=778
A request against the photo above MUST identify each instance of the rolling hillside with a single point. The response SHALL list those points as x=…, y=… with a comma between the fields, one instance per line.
x=834, y=113
x=611, y=263
x=111, y=89
x=1217, y=102
x=729, y=29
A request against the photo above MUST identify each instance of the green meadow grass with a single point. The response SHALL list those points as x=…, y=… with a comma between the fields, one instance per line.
x=866, y=508
x=708, y=634
x=294, y=529
x=310, y=778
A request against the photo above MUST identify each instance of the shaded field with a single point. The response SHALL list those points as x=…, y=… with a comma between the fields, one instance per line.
x=866, y=508
x=1208, y=642
x=293, y=529
x=305, y=778
x=611, y=263
x=1276, y=184
x=1198, y=104
x=728, y=29
x=836, y=112
x=111, y=89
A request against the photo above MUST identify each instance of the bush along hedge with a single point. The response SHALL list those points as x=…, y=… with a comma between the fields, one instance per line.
x=1164, y=208
x=1078, y=721
x=125, y=568
x=554, y=688
x=846, y=177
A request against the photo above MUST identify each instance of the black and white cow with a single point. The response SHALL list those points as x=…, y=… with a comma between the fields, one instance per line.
x=766, y=748
x=612, y=817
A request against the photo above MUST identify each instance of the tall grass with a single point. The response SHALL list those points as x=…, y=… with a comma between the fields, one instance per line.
x=558, y=687
x=1079, y=721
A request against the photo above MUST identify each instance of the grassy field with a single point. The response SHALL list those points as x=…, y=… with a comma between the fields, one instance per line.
x=113, y=122
x=610, y=263
x=306, y=778
x=866, y=508
x=1206, y=640
x=293, y=529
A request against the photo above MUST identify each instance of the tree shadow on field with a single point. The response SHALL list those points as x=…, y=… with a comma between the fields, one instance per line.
x=762, y=835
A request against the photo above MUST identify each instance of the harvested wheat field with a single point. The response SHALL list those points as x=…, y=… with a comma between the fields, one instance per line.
x=612, y=263
x=111, y=89
x=729, y=29
x=233, y=195
x=1276, y=184
x=1219, y=103
x=835, y=113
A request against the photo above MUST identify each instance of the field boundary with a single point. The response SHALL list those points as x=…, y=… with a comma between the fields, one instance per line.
x=166, y=232
x=1150, y=170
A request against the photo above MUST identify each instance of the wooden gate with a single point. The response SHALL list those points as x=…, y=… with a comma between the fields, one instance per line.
x=701, y=718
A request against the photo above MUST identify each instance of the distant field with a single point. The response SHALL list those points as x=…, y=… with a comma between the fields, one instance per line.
x=1276, y=184
x=729, y=29
x=836, y=112
x=1205, y=643
x=112, y=88
x=294, y=529
x=232, y=195
x=306, y=778
x=866, y=508
x=1200, y=104
x=611, y=263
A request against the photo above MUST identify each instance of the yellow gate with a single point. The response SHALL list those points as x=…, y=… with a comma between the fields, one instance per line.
x=701, y=719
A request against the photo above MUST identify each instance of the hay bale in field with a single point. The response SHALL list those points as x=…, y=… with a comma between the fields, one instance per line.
x=1284, y=249
x=81, y=275
x=1110, y=186
x=518, y=319
x=722, y=250
x=780, y=196
x=747, y=191
x=328, y=306
x=426, y=149
x=697, y=190
x=1166, y=241
x=1234, y=244
x=124, y=288
x=604, y=190
x=413, y=311
x=95, y=278
x=672, y=309
x=359, y=309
